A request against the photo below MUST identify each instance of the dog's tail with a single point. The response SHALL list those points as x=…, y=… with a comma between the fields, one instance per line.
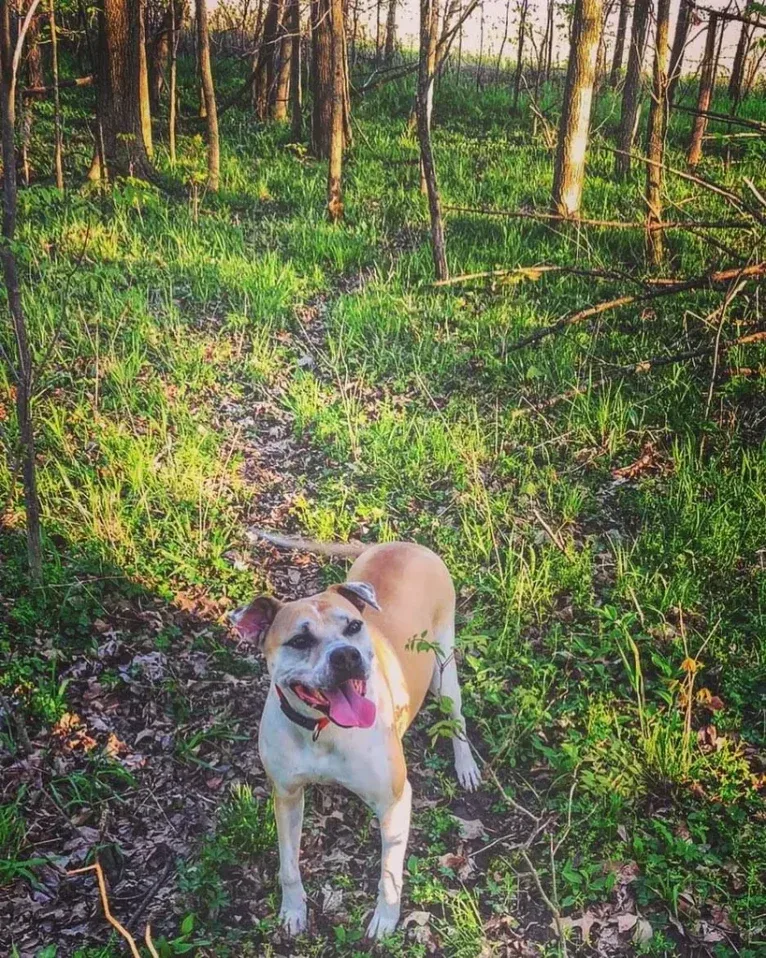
x=349, y=550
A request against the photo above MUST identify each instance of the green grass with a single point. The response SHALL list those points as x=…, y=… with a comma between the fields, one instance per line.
x=572, y=650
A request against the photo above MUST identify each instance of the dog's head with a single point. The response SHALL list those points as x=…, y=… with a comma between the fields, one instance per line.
x=319, y=648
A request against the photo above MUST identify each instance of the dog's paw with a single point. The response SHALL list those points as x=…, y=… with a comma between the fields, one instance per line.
x=293, y=919
x=384, y=921
x=466, y=769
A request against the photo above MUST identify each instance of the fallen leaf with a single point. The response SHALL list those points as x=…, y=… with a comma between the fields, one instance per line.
x=626, y=922
x=470, y=829
x=585, y=923
x=643, y=931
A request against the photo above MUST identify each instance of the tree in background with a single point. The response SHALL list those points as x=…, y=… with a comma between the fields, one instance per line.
x=619, y=42
x=390, y=44
x=631, y=95
x=740, y=58
x=338, y=108
x=523, y=11
x=707, y=83
x=429, y=25
x=680, y=39
x=284, y=73
x=208, y=91
x=21, y=372
x=121, y=112
x=294, y=27
x=266, y=69
x=655, y=140
x=321, y=78
x=569, y=171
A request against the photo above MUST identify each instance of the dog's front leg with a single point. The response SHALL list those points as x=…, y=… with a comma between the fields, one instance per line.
x=394, y=832
x=288, y=811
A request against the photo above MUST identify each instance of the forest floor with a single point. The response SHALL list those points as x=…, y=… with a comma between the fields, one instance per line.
x=217, y=362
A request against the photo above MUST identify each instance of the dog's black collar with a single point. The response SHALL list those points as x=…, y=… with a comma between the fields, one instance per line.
x=312, y=725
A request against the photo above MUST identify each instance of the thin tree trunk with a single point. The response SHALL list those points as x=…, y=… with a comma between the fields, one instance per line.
x=601, y=56
x=267, y=55
x=158, y=55
x=172, y=105
x=23, y=374
x=321, y=78
x=680, y=39
x=337, y=133
x=520, y=54
x=503, y=41
x=208, y=90
x=481, y=49
x=429, y=21
x=378, y=30
x=294, y=26
x=58, y=161
x=569, y=172
x=719, y=48
x=282, y=91
x=707, y=82
x=143, y=80
x=619, y=42
x=655, y=151
x=549, y=29
x=738, y=64
x=390, y=32
x=631, y=94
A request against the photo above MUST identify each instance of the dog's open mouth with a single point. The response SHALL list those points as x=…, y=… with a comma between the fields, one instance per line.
x=345, y=705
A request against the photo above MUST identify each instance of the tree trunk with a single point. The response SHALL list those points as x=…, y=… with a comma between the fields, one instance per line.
x=631, y=94
x=172, y=80
x=267, y=56
x=388, y=53
x=429, y=22
x=569, y=171
x=143, y=80
x=281, y=98
x=119, y=88
x=503, y=42
x=158, y=55
x=208, y=90
x=707, y=82
x=655, y=149
x=619, y=42
x=549, y=31
x=524, y=8
x=740, y=58
x=58, y=143
x=294, y=26
x=321, y=78
x=337, y=126
x=23, y=372
x=680, y=39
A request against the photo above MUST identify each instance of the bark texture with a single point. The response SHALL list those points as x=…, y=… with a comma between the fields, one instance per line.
x=294, y=26
x=429, y=25
x=619, y=42
x=740, y=58
x=266, y=68
x=58, y=135
x=390, y=45
x=208, y=91
x=119, y=89
x=707, y=82
x=680, y=39
x=281, y=98
x=523, y=11
x=321, y=78
x=655, y=143
x=338, y=103
x=631, y=94
x=569, y=172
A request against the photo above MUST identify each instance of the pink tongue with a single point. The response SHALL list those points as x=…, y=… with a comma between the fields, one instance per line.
x=350, y=709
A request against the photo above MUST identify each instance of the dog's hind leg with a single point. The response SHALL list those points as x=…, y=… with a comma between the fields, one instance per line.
x=288, y=811
x=445, y=684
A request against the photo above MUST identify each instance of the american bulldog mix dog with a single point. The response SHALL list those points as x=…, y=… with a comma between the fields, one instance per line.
x=349, y=668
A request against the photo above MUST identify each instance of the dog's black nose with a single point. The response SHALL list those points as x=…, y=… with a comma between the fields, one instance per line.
x=346, y=661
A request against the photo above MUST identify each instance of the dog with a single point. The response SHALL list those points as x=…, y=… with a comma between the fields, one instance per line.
x=350, y=668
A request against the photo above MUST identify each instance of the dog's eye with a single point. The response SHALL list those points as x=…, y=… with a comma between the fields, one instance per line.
x=353, y=627
x=301, y=642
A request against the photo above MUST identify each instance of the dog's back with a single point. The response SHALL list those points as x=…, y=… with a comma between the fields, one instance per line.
x=417, y=601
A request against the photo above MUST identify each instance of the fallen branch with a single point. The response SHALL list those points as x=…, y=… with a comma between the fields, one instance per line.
x=535, y=272
x=723, y=117
x=120, y=929
x=554, y=910
x=603, y=224
x=645, y=366
x=32, y=91
x=756, y=271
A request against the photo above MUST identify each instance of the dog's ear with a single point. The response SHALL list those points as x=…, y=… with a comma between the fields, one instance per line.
x=253, y=621
x=359, y=594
